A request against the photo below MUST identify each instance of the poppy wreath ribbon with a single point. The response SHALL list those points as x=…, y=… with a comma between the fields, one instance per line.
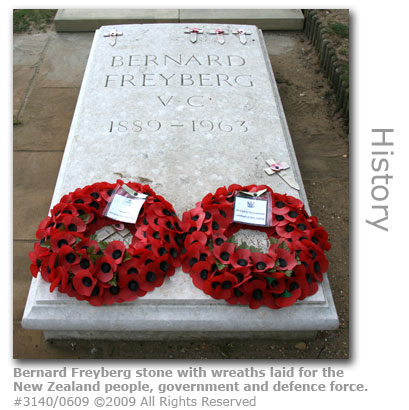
x=68, y=255
x=241, y=274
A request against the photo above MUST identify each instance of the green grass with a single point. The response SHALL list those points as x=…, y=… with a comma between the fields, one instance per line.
x=28, y=19
x=339, y=29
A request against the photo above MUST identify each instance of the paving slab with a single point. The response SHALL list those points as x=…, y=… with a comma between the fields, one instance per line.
x=64, y=60
x=34, y=179
x=46, y=119
x=92, y=19
x=22, y=77
x=265, y=19
x=21, y=281
x=27, y=49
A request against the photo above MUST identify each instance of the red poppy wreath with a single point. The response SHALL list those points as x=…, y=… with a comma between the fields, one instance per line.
x=287, y=272
x=69, y=256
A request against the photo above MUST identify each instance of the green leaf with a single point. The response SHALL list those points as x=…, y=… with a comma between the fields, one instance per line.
x=102, y=245
x=93, y=237
x=46, y=244
x=271, y=280
x=91, y=250
x=288, y=273
x=85, y=218
x=243, y=246
x=126, y=257
x=274, y=241
x=283, y=245
x=113, y=281
x=286, y=294
x=253, y=249
x=219, y=265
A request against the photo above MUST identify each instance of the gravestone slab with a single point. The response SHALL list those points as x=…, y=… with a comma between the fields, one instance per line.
x=187, y=113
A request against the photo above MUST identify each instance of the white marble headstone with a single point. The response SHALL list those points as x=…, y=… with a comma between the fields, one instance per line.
x=185, y=112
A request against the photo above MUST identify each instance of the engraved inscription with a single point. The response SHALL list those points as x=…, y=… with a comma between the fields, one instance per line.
x=204, y=125
x=184, y=80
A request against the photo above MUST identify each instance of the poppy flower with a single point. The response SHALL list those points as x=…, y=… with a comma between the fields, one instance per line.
x=62, y=209
x=84, y=263
x=257, y=292
x=151, y=277
x=307, y=285
x=239, y=295
x=276, y=282
x=200, y=272
x=86, y=213
x=241, y=258
x=284, y=259
x=319, y=236
x=88, y=245
x=195, y=237
x=196, y=253
x=129, y=287
x=67, y=257
x=60, y=239
x=132, y=266
x=280, y=207
x=97, y=295
x=224, y=252
x=47, y=267
x=242, y=274
x=105, y=268
x=74, y=224
x=289, y=297
x=84, y=282
x=106, y=193
x=220, y=286
x=262, y=262
x=37, y=255
x=279, y=220
x=116, y=251
x=59, y=278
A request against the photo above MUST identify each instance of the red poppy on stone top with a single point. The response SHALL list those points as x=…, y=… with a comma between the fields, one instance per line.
x=84, y=263
x=74, y=224
x=129, y=287
x=105, y=268
x=224, y=252
x=67, y=257
x=220, y=286
x=257, y=292
x=285, y=260
x=60, y=239
x=196, y=253
x=115, y=250
x=262, y=262
x=62, y=209
x=84, y=281
x=151, y=278
x=241, y=258
x=199, y=273
x=87, y=245
x=288, y=298
x=238, y=296
x=242, y=274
